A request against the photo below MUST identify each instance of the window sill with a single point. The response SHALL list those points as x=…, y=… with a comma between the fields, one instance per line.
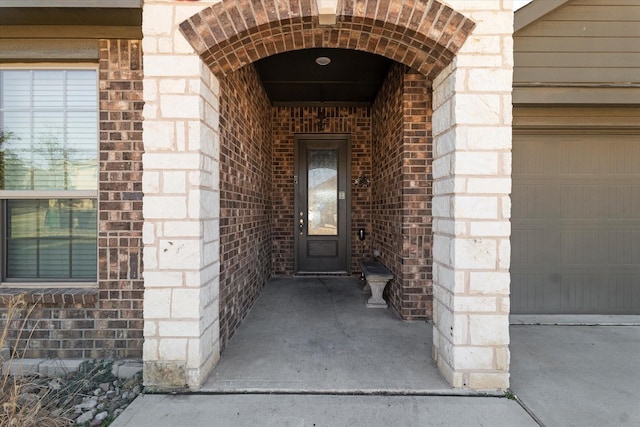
x=68, y=295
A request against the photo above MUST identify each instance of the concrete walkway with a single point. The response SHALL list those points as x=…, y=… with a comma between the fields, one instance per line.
x=310, y=354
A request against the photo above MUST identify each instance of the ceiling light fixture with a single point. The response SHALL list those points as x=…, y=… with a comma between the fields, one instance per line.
x=323, y=60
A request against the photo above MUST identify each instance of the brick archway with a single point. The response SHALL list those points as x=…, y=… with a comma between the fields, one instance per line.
x=471, y=129
x=424, y=35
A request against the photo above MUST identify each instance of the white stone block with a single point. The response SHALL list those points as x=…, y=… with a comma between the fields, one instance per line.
x=506, y=163
x=180, y=106
x=441, y=206
x=484, y=137
x=503, y=358
x=463, y=6
x=185, y=303
x=504, y=254
x=446, y=143
x=185, y=10
x=477, y=109
x=507, y=107
x=476, y=44
x=475, y=163
x=167, y=161
x=171, y=65
x=162, y=279
x=150, y=349
x=157, y=302
x=475, y=304
x=182, y=229
x=172, y=349
x=475, y=253
x=158, y=135
x=488, y=380
x=490, y=80
x=442, y=249
x=167, y=207
x=165, y=45
x=472, y=358
x=150, y=91
x=441, y=167
x=488, y=185
x=441, y=120
x=151, y=182
x=448, y=186
x=150, y=328
x=150, y=111
x=488, y=329
x=179, y=328
x=194, y=356
x=490, y=229
x=181, y=136
x=174, y=182
x=507, y=50
x=179, y=254
x=492, y=22
x=148, y=233
x=504, y=305
x=475, y=207
x=505, y=203
x=489, y=282
x=157, y=20
x=149, y=45
x=181, y=45
x=480, y=60
x=173, y=86
x=196, y=208
x=150, y=257
x=460, y=333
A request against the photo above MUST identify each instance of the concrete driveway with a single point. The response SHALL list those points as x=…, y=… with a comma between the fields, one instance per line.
x=577, y=375
x=310, y=354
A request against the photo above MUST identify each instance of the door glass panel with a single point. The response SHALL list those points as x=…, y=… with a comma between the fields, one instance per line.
x=323, y=192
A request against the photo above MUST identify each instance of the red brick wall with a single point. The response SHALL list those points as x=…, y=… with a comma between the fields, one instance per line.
x=120, y=201
x=387, y=153
x=105, y=322
x=245, y=196
x=401, y=198
x=287, y=121
x=417, y=182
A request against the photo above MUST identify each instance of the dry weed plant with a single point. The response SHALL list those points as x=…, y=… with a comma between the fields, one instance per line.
x=23, y=403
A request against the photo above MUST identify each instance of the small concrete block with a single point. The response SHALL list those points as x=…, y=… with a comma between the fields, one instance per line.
x=59, y=367
x=5, y=354
x=25, y=366
x=129, y=369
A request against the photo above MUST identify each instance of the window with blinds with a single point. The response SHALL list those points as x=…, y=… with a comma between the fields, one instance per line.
x=49, y=174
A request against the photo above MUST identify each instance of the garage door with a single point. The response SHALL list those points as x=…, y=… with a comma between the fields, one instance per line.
x=576, y=223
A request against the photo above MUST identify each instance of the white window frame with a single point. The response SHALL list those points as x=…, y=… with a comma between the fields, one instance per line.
x=52, y=194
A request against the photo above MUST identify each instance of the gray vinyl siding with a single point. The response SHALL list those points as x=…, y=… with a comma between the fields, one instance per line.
x=593, y=44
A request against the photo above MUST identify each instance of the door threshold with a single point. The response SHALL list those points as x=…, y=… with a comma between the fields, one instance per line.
x=322, y=274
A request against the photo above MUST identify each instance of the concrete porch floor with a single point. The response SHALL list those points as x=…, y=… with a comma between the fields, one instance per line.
x=316, y=335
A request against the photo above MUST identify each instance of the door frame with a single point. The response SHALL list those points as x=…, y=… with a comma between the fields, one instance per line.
x=323, y=136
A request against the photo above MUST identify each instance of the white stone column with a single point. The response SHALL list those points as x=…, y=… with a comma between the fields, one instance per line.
x=181, y=202
x=471, y=203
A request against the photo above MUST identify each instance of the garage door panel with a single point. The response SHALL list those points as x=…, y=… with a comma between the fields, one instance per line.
x=576, y=224
x=623, y=201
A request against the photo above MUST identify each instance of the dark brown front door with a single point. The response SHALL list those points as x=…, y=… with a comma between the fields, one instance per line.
x=322, y=204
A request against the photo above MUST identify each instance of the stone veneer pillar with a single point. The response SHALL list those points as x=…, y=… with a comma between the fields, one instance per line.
x=471, y=204
x=181, y=202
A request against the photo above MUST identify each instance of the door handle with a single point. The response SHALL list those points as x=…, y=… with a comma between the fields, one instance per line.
x=301, y=226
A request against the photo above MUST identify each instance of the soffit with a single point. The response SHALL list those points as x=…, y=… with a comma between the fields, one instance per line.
x=351, y=78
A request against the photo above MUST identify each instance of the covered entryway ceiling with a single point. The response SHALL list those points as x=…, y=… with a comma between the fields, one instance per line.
x=348, y=77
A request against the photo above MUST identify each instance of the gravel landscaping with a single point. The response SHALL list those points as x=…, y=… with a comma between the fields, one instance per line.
x=90, y=396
